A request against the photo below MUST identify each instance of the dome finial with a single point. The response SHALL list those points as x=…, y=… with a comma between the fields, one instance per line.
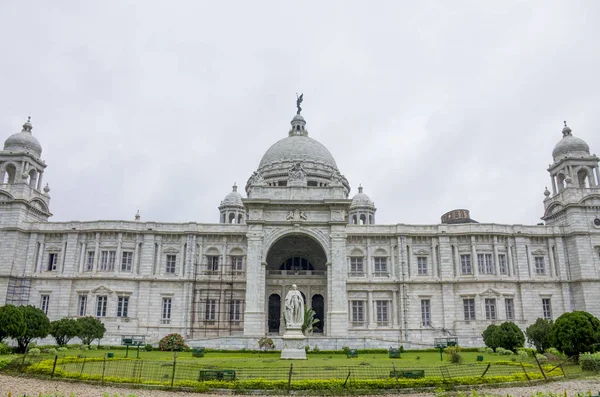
x=360, y=188
x=566, y=130
x=137, y=215
x=234, y=187
x=27, y=126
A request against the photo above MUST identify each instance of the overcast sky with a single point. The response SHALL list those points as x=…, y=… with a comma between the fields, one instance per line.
x=162, y=105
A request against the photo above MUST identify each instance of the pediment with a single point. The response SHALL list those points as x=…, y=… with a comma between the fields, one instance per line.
x=490, y=293
x=53, y=248
x=421, y=252
x=539, y=252
x=102, y=290
x=170, y=250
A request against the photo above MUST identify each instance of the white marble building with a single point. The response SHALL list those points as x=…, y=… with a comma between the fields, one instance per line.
x=222, y=284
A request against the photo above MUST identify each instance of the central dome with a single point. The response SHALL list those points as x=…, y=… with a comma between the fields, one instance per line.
x=297, y=148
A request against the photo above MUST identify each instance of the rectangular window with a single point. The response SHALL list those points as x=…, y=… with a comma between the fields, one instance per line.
x=165, y=317
x=426, y=312
x=465, y=264
x=237, y=263
x=381, y=310
x=469, y=308
x=52, y=260
x=358, y=312
x=45, y=302
x=485, y=265
x=356, y=266
x=171, y=264
x=107, y=261
x=502, y=264
x=235, y=310
x=422, y=265
x=380, y=268
x=89, y=263
x=509, y=305
x=490, y=309
x=126, y=261
x=82, y=305
x=213, y=263
x=210, y=310
x=122, y=306
x=547, y=308
x=101, y=303
x=540, y=266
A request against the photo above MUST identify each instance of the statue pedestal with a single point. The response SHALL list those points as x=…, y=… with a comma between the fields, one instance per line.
x=293, y=344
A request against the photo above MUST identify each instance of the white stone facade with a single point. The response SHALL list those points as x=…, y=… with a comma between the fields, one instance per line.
x=222, y=285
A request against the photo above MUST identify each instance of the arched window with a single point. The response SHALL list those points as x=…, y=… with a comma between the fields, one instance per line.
x=11, y=172
x=296, y=263
x=240, y=219
x=354, y=220
x=363, y=219
x=583, y=178
x=371, y=220
x=232, y=218
x=223, y=218
x=32, y=180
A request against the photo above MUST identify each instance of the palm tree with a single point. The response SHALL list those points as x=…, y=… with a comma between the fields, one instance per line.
x=310, y=322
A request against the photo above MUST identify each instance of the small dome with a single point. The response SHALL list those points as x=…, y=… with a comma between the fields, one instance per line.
x=360, y=199
x=233, y=198
x=24, y=141
x=570, y=145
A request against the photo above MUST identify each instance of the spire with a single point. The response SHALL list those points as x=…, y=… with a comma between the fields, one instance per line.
x=27, y=126
x=566, y=130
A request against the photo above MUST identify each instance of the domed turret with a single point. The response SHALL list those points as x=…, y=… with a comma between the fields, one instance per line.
x=362, y=209
x=232, y=208
x=24, y=141
x=574, y=166
x=298, y=161
x=570, y=145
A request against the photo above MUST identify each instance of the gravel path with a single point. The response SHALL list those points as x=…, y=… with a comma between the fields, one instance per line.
x=20, y=386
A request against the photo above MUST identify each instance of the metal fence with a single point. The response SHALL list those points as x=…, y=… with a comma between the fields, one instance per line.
x=187, y=372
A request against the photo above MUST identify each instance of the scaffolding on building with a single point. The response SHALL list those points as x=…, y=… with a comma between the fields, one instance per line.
x=218, y=300
x=18, y=289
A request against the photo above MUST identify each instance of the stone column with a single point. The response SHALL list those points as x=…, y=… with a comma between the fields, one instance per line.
x=394, y=309
x=254, y=324
x=495, y=248
x=82, y=257
x=474, y=261
x=118, y=259
x=338, y=298
x=433, y=258
x=96, y=253
x=40, y=256
x=370, y=310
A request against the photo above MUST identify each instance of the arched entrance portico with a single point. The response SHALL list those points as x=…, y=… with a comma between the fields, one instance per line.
x=296, y=259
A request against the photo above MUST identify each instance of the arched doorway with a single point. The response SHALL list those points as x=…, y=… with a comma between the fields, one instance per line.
x=318, y=305
x=296, y=259
x=274, y=313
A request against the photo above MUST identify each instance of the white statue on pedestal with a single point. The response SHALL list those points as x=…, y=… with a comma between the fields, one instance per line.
x=294, y=308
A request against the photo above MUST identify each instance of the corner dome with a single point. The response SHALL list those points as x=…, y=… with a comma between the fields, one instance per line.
x=233, y=198
x=570, y=145
x=360, y=199
x=297, y=148
x=23, y=141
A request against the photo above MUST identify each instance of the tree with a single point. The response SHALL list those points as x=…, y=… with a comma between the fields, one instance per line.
x=538, y=334
x=90, y=328
x=576, y=332
x=488, y=336
x=310, y=322
x=12, y=323
x=37, y=325
x=507, y=335
x=64, y=330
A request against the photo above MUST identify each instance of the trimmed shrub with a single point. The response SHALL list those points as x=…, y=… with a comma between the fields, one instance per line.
x=52, y=351
x=590, y=361
x=93, y=347
x=456, y=358
x=62, y=349
x=522, y=355
x=5, y=349
x=84, y=347
x=148, y=347
x=34, y=351
x=541, y=358
x=172, y=342
x=450, y=350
